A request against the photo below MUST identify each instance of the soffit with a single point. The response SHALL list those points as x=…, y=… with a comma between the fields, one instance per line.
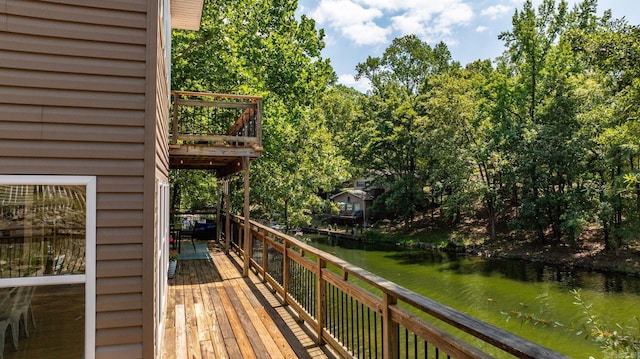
x=186, y=14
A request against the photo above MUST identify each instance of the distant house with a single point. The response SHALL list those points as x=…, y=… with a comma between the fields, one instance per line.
x=369, y=185
x=84, y=172
x=353, y=205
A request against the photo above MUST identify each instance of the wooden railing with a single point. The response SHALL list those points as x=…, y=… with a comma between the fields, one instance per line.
x=362, y=315
x=216, y=119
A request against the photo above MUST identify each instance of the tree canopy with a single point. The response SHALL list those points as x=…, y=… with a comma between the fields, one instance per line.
x=543, y=140
x=261, y=48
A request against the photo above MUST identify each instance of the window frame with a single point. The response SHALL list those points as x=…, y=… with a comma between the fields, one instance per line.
x=89, y=277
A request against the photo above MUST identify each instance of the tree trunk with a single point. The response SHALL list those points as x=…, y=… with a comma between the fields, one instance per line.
x=606, y=231
x=286, y=215
x=492, y=218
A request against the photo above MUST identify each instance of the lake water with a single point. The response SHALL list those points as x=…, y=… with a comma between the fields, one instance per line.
x=488, y=289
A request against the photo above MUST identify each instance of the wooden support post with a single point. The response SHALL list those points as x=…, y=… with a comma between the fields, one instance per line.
x=390, y=339
x=247, y=223
x=176, y=103
x=265, y=257
x=219, y=196
x=321, y=301
x=227, y=231
x=285, y=272
x=259, y=121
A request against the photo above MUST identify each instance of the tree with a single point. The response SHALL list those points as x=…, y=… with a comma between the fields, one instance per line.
x=390, y=145
x=261, y=48
x=549, y=151
x=611, y=51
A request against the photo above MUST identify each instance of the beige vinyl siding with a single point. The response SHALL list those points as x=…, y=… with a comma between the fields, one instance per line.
x=71, y=47
x=73, y=102
x=158, y=151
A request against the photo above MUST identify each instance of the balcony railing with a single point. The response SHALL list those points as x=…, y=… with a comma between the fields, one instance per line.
x=211, y=119
x=362, y=315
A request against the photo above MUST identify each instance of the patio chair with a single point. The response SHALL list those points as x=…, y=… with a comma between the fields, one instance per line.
x=6, y=304
x=20, y=311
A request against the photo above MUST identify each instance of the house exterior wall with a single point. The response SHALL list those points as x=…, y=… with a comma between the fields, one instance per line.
x=349, y=198
x=156, y=173
x=81, y=92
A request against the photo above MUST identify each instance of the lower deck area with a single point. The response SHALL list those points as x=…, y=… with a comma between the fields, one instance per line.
x=213, y=312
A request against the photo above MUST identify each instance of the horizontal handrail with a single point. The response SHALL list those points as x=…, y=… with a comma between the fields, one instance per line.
x=217, y=95
x=392, y=316
x=199, y=116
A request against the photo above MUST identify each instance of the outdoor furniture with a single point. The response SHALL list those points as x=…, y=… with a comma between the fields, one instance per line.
x=6, y=305
x=174, y=239
x=20, y=311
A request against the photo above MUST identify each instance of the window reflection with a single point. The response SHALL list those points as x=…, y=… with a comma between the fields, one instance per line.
x=42, y=230
x=42, y=322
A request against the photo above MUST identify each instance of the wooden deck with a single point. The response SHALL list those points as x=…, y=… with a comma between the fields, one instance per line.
x=212, y=312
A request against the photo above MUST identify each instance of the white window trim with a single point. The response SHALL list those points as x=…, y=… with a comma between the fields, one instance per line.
x=89, y=278
x=162, y=213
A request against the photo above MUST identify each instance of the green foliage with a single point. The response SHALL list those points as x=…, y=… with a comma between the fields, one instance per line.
x=541, y=317
x=261, y=48
x=618, y=342
x=546, y=138
x=192, y=190
x=392, y=136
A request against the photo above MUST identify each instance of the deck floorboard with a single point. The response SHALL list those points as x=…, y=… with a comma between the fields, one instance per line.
x=213, y=312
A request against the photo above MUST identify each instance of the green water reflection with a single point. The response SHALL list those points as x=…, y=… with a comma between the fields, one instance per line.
x=486, y=289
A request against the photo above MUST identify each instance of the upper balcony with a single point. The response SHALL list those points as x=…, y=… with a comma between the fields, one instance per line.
x=214, y=131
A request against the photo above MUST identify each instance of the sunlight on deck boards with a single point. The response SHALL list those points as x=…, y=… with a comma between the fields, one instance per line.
x=212, y=312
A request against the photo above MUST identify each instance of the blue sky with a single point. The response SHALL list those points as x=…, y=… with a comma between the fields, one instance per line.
x=356, y=29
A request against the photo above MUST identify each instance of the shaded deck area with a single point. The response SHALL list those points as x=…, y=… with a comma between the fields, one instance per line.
x=213, y=312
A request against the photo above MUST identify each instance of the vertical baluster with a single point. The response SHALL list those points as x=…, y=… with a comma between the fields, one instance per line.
x=369, y=330
x=351, y=329
x=358, y=327
x=375, y=331
x=406, y=343
x=345, y=319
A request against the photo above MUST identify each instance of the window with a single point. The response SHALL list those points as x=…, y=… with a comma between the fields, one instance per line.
x=162, y=257
x=47, y=266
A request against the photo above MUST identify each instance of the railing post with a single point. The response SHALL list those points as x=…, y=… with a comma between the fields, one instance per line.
x=285, y=271
x=390, y=340
x=219, y=196
x=265, y=253
x=259, y=121
x=240, y=236
x=247, y=245
x=176, y=103
x=321, y=300
x=227, y=232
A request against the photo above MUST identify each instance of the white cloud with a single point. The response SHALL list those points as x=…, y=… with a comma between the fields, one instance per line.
x=496, y=11
x=366, y=33
x=481, y=28
x=362, y=85
x=433, y=24
x=352, y=20
x=368, y=22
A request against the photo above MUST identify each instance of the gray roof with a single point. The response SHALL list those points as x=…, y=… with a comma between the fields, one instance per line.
x=356, y=193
